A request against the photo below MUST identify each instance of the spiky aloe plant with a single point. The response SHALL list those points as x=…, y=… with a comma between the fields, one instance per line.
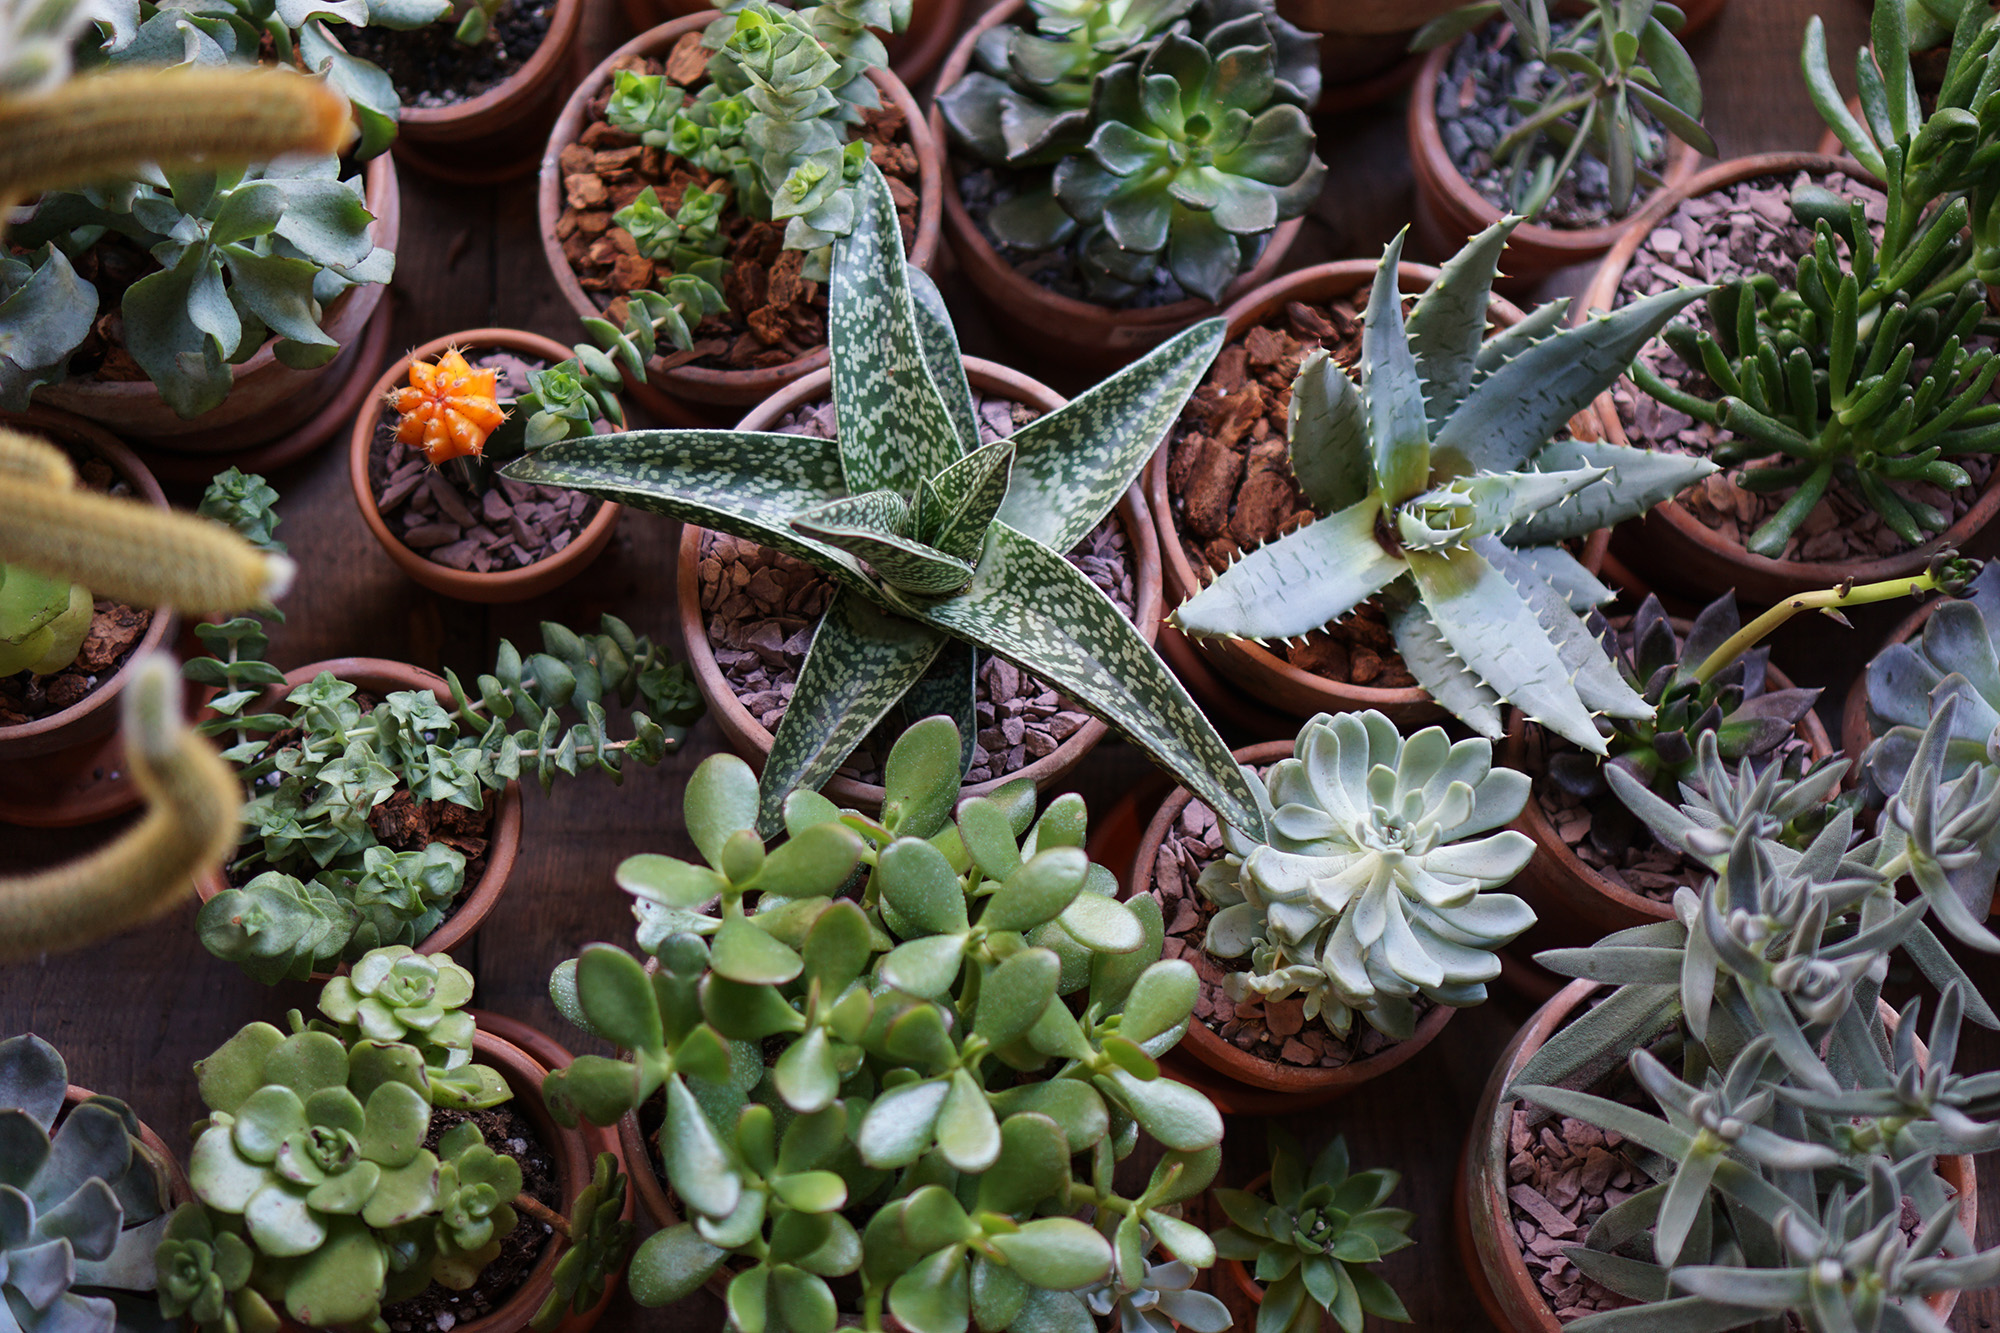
x=941, y=546
x=1443, y=493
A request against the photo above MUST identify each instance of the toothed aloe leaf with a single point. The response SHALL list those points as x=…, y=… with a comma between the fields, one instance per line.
x=1563, y=572
x=1448, y=326
x=949, y=688
x=1398, y=423
x=1489, y=502
x=1544, y=321
x=1514, y=411
x=959, y=502
x=1071, y=466
x=894, y=425
x=1640, y=479
x=1442, y=672
x=868, y=526
x=939, y=342
x=1496, y=633
x=1297, y=584
x=1031, y=606
x=862, y=661
x=1327, y=427
x=1596, y=678
x=750, y=484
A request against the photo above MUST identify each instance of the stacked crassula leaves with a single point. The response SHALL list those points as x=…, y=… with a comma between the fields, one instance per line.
x=80, y=1202
x=940, y=546
x=922, y=1077
x=1793, y=1130
x=1371, y=887
x=1146, y=145
x=1444, y=494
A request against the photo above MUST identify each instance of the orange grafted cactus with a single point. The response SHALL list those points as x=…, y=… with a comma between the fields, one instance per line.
x=448, y=409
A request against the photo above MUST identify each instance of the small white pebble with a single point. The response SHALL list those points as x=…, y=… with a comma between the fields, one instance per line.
x=517, y=1145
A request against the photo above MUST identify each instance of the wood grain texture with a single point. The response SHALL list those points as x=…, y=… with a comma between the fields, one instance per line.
x=134, y=1013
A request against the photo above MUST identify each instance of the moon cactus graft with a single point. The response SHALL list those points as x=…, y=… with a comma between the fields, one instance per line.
x=448, y=408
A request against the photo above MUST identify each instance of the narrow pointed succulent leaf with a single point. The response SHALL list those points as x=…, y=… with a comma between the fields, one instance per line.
x=893, y=422
x=861, y=662
x=1398, y=423
x=1071, y=466
x=1562, y=571
x=1518, y=408
x=949, y=688
x=900, y=562
x=1299, y=583
x=744, y=483
x=1542, y=322
x=1440, y=670
x=960, y=501
x=1597, y=681
x=1502, y=499
x=1449, y=323
x=939, y=342
x=1327, y=429
x=1032, y=607
x=1640, y=479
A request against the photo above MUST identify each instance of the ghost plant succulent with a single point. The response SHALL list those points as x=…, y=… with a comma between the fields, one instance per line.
x=1372, y=887
x=81, y=1202
x=941, y=547
x=909, y=1051
x=1445, y=495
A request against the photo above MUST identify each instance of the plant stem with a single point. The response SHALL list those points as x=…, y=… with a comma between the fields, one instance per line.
x=1828, y=599
x=541, y=1212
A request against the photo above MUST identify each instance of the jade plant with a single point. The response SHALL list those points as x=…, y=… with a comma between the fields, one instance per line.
x=1445, y=494
x=941, y=546
x=1149, y=137
x=1797, y=1131
x=1310, y=1244
x=315, y=1194
x=1373, y=886
x=313, y=882
x=82, y=1202
x=909, y=1052
x=1623, y=84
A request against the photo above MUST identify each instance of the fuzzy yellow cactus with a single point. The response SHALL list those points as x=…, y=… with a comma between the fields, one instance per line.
x=190, y=827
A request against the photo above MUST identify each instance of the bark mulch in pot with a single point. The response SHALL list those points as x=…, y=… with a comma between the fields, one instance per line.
x=1562, y=1175
x=115, y=629
x=432, y=68
x=774, y=315
x=761, y=607
x=1275, y=1031
x=1736, y=232
x=1229, y=477
x=439, y=1309
x=435, y=511
x=1484, y=71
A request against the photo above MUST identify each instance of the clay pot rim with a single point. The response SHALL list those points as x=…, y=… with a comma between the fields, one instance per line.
x=503, y=835
x=569, y=128
x=980, y=255
x=1603, y=290
x=1238, y=1065
x=1536, y=824
x=39, y=420
x=555, y=43
x=746, y=731
x=178, y=1189
x=1427, y=142
x=495, y=585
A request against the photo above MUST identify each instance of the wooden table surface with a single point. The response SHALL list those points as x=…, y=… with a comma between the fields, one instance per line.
x=133, y=1013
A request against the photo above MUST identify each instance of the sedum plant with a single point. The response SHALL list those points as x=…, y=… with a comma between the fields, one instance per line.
x=1795, y=1131
x=942, y=547
x=81, y=1202
x=1310, y=1244
x=908, y=1052
x=1146, y=146
x=1444, y=494
x=1372, y=887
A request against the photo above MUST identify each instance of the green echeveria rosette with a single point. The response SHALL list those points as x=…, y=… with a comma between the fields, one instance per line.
x=203, y=1271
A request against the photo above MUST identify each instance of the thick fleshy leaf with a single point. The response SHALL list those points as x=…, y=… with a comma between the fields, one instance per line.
x=1439, y=669
x=1640, y=479
x=697, y=1164
x=1449, y=324
x=867, y=527
x=1398, y=426
x=897, y=1128
x=939, y=342
x=1327, y=429
x=1175, y=1114
x=932, y=1297
x=1033, y=1164
x=1013, y=995
x=1060, y=1253
x=1298, y=584
x=671, y=1264
x=948, y=689
x=968, y=1135
x=33, y=1079
x=959, y=502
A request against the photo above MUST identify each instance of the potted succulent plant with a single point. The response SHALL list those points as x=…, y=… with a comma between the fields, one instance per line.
x=1803, y=1157
x=390, y=1162
x=1096, y=222
x=963, y=540
x=1370, y=899
x=915, y=34
x=772, y=113
x=1445, y=498
x=1609, y=115
x=907, y=991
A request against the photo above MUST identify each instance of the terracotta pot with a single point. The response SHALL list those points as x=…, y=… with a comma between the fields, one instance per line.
x=1450, y=211
x=270, y=400
x=1256, y=669
x=675, y=394
x=913, y=53
x=1059, y=330
x=1676, y=549
x=1574, y=904
x=95, y=715
x=380, y=676
x=1301, y=1085
x=492, y=137
x=178, y=1191
x=1489, y=1246
x=751, y=739
x=509, y=585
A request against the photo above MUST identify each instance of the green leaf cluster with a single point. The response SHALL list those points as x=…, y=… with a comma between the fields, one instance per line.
x=599, y=1241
